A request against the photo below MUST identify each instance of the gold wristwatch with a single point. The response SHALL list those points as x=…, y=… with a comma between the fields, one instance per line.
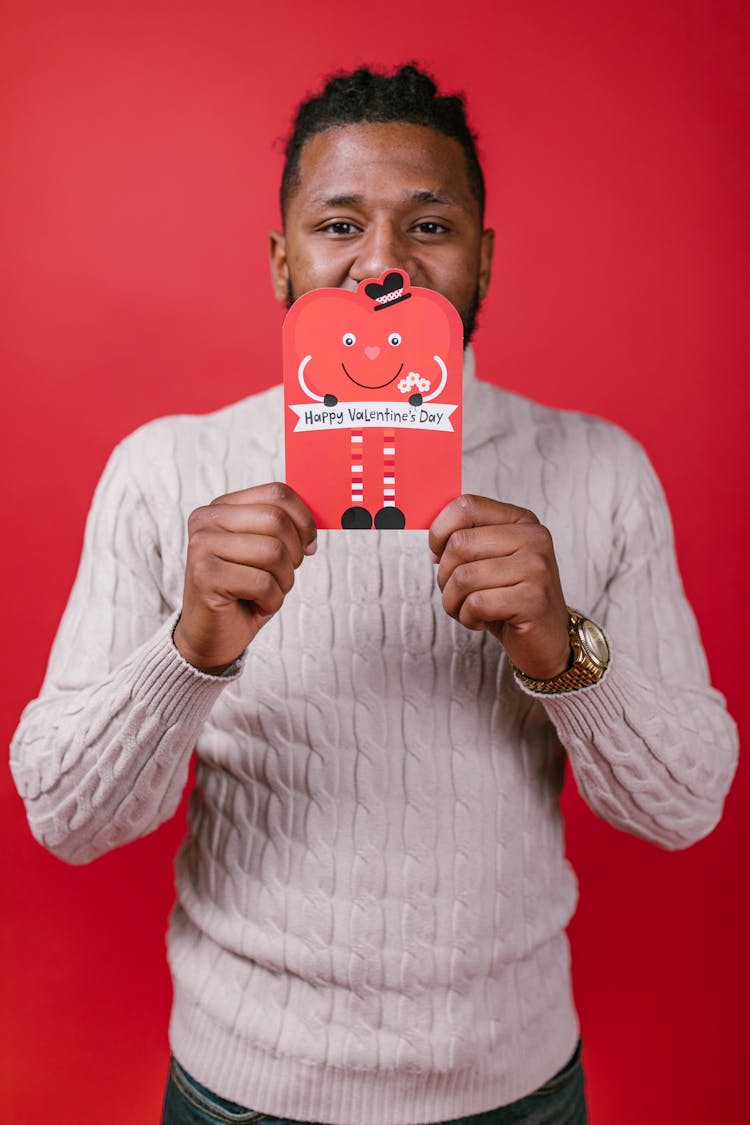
x=589, y=660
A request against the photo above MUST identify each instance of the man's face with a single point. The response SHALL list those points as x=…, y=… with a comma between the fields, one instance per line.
x=383, y=196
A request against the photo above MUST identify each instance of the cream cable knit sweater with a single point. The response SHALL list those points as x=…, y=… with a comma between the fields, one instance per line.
x=373, y=893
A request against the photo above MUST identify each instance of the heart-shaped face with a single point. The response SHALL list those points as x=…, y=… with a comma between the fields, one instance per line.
x=374, y=343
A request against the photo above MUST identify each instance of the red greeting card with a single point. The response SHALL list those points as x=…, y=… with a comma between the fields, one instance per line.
x=372, y=403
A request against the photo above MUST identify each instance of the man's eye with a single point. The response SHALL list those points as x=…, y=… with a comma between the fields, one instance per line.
x=430, y=228
x=340, y=228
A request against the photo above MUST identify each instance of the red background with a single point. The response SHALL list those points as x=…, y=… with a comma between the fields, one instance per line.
x=140, y=171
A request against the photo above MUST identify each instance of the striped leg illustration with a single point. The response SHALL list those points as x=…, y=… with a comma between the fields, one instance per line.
x=390, y=515
x=357, y=439
x=357, y=516
x=389, y=468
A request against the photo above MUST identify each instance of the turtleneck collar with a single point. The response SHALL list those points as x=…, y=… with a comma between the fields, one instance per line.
x=480, y=413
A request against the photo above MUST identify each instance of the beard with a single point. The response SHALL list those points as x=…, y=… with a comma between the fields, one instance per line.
x=468, y=317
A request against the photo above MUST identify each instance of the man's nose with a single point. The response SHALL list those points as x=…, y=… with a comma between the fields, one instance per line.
x=382, y=248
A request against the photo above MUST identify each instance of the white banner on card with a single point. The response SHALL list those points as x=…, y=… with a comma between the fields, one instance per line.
x=358, y=415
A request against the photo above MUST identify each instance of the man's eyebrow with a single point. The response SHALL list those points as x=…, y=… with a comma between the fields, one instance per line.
x=434, y=197
x=333, y=201
x=354, y=200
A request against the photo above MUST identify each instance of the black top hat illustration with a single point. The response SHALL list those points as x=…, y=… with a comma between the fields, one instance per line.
x=388, y=290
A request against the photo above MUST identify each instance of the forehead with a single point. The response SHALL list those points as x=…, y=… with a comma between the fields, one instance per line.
x=383, y=161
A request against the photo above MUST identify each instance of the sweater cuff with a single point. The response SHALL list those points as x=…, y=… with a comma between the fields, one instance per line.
x=171, y=686
x=582, y=711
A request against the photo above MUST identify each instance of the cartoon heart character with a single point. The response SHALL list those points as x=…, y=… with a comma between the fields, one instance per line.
x=373, y=391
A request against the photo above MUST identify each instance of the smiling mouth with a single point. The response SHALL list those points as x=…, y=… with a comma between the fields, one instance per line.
x=369, y=386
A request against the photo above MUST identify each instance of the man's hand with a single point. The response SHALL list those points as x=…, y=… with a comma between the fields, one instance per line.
x=243, y=549
x=497, y=571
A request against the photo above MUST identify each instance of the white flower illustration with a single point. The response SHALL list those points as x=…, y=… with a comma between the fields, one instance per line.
x=414, y=381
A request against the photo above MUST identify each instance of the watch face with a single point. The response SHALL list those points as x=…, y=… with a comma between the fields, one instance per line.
x=594, y=642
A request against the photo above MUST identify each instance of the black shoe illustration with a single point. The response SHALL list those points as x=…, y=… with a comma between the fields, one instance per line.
x=390, y=519
x=358, y=519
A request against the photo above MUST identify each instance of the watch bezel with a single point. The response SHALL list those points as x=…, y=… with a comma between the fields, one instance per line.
x=589, y=631
x=583, y=627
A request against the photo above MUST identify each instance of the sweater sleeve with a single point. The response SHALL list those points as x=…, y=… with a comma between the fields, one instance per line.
x=652, y=747
x=101, y=756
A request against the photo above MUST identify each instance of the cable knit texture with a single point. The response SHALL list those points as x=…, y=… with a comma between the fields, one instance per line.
x=373, y=893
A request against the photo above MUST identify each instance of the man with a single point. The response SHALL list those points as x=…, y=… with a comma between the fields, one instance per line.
x=373, y=895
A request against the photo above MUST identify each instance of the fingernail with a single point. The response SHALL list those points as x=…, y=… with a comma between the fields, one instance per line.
x=311, y=548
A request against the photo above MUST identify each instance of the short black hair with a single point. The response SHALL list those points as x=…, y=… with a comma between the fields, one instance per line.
x=366, y=96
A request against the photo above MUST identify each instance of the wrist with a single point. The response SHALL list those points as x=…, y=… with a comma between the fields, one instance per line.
x=588, y=659
x=195, y=659
x=539, y=657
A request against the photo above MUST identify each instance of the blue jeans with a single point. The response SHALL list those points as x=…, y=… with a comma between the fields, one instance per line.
x=560, y=1101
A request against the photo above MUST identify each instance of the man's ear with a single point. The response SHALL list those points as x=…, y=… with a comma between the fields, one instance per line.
x=485, y=261
x=279, y=267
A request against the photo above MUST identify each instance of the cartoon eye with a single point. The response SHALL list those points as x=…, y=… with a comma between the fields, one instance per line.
x=394, y=339
x=349, y=339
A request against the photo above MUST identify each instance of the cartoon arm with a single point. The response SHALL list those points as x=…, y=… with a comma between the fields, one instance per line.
x=413, y=379
x=327, y=400
x=443, y=379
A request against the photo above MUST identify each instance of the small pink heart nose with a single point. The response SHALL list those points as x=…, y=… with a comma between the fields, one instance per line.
x=372, y=353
